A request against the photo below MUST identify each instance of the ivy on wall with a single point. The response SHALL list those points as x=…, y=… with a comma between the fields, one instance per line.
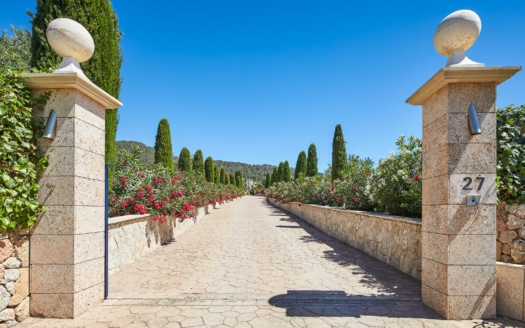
x=20, y=159
x=511, y=154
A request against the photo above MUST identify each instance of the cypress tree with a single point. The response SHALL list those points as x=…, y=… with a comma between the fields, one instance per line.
x=216, y=177
x=238, y=179
x=185, y=160
x=222, y=178
x=286, y=172
x=163, y=150
x=227, y=178
x=275, y=175
x=280, y=172
x=103, y=69
x=208, y=169
x=338, y=153
x=300, y=167
x=311, y=162
x=198, y=162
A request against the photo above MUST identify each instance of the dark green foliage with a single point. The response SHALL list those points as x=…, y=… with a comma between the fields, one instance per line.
x=311, y=162
x=146, y=154
x=208, y=169
x=286, y=172
x=222, y=178
x=338, y=153
x=511, y=154
x=268, y=181
x=103, y=69
x=300, y=166
x=163, y=150
x=15, y=50
x=185, y=161
x=198, y=162
x=20, y=160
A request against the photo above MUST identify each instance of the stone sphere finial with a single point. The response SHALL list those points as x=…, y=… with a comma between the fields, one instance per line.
x=455, y=34
x=70, y=40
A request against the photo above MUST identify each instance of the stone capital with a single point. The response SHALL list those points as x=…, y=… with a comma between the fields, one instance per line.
x=447, y=75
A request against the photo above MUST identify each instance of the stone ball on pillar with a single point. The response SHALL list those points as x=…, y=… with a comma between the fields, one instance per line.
x=456, y=34
x=71, y=41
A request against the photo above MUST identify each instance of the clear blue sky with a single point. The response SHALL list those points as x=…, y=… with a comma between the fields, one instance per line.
x=258, y=81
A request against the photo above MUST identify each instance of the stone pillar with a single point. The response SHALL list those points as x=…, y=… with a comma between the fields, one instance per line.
x=67, y=243
x=459, y=239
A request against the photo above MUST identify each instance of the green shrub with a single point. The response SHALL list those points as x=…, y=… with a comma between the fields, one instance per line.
x=511, y=154
x=396, y=183
x=20, y=160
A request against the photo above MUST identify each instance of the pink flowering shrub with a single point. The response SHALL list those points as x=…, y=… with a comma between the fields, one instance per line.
x=140, y=190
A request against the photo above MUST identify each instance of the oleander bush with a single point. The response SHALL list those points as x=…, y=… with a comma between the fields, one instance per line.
x=352, y=188
x=160, y=193
x=395, y=186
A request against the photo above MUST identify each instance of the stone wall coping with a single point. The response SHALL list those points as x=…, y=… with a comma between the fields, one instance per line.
x=71, y=80
x=446, y=75
x=114, y=221
x=383, y=216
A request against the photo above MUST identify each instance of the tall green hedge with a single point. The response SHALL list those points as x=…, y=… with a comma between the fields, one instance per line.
x=103, y=69
x=163, y=149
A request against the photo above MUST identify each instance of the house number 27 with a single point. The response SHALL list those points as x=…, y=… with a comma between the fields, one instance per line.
x=469, y=186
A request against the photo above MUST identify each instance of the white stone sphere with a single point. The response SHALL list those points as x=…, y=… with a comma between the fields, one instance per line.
x=457, y=31
x=69, y=38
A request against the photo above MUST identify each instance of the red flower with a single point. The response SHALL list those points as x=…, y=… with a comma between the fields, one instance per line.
x=416, y=177
x=356, y=200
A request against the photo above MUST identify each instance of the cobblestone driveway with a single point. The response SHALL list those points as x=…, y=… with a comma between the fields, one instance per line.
x=248, y=264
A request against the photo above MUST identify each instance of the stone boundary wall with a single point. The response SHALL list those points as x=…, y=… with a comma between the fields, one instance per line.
x=391, y=239
x=14, y=274
x=133, y=236
x=510, y=226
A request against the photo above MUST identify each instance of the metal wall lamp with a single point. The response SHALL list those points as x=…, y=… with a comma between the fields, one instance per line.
x=475, y=127
x=49, y=131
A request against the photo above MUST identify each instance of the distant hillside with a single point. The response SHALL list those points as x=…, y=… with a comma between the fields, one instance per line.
x=148, y=153
x=249, y=171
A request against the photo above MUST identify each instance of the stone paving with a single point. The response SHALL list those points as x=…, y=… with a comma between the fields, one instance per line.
x=248, y=264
